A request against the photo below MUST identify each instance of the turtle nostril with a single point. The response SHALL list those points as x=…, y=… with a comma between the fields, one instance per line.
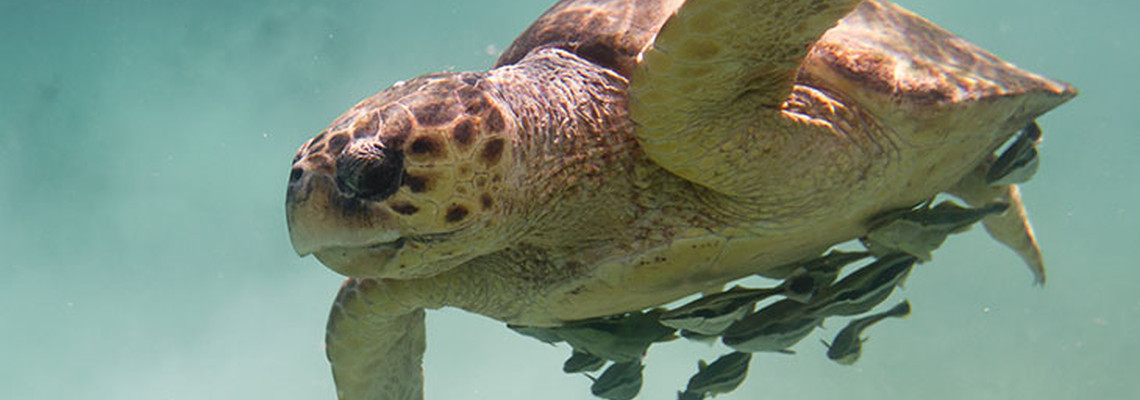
x=296, y=174
x=368, y=170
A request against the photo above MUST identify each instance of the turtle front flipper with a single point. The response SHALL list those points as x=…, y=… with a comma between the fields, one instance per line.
x=375, y=344
x=608, y=33
x=707, y=95
x=1011, y=227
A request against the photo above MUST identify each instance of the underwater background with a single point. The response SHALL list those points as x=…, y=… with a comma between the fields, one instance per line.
x=145, y=147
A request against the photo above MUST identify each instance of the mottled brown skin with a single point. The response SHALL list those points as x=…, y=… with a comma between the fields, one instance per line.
x=610, y=34
x=607, y=164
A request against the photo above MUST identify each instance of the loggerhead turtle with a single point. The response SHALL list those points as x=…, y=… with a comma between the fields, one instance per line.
x=624, y=154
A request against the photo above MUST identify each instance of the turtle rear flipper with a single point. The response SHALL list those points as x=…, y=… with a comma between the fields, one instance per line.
x=1011, y=227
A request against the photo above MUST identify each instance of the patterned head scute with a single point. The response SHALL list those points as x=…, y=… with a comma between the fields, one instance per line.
x=411, y=168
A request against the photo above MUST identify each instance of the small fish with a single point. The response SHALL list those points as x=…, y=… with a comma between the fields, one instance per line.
x=830, y=264
x=864, y=289
x=621, y=381
x=582, y=362
x=547, y=335
x=815, y=274
x=954, y=218
x=1019, y=161
x=712, y=314
x=920, y=231
x=801, y=287
x=774, y=328
x=619, y=338
x=699, y=337
x=848, y=344
x=722, y=376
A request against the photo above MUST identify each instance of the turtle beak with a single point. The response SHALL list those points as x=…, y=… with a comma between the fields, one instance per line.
x=297, y=193
x=306, y=210
x=320, y=216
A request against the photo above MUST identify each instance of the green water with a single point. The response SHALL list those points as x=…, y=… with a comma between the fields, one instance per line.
x=145, y=146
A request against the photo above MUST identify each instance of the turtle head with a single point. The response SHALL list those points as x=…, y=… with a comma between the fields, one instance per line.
x=406, y=184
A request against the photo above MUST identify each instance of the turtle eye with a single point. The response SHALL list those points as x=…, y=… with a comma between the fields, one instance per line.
x=368, y=170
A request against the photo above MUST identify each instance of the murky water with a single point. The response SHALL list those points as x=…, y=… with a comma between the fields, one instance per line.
x=145, y=145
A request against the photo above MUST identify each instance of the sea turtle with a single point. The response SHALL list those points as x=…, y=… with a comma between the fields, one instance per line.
x=624, y=154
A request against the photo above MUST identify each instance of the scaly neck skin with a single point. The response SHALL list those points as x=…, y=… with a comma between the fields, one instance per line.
x=573, y=140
